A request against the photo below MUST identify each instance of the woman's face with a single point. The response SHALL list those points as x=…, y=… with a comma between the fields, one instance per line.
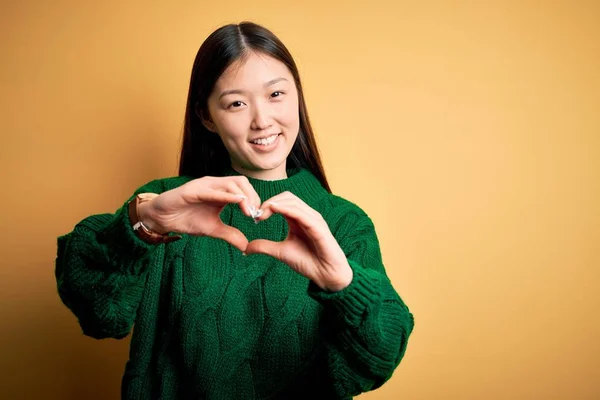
x=256, y=98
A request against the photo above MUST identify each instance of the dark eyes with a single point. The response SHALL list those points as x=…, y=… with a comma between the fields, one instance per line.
x=238, y=104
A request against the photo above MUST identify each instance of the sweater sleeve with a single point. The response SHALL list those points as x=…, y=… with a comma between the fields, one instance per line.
x=100, y=271
x=367, y=324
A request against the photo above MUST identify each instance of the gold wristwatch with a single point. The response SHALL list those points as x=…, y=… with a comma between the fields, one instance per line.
x=139, y=228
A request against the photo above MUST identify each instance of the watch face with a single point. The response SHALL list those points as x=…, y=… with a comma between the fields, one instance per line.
x=146, y=196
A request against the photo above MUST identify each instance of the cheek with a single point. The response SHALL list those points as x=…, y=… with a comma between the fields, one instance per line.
x=291, y=116
x=232, y=127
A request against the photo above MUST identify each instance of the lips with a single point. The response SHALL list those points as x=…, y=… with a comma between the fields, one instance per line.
x=265, y=137
x=267, y=148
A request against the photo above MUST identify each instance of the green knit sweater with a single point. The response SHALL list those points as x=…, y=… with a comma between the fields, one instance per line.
x=210, y=323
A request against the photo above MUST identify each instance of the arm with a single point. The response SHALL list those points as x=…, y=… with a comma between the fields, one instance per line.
x=100, y=271
x=102, y=266
x=368, y=324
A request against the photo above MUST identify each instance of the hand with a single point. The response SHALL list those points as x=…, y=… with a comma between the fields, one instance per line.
x=309, y=248
x=194, y=208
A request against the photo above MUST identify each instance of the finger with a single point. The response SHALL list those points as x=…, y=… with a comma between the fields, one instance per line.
x=232, y=186
x=292, y=198
x=291, y=210
x=287, y=197
x=288, y=202
x=249, y=191
x=231, y=235
x=220, y=196
x=263, y=246
x=265, y=209
x=211, y=189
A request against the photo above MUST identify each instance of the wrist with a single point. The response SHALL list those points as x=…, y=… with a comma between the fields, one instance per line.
x=339, y=281
x=141, y=230
x=146, y=214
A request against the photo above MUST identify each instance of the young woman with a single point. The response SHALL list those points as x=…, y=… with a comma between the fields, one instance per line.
x=244, y=277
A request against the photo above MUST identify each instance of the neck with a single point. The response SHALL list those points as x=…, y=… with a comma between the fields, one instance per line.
x=263, y=174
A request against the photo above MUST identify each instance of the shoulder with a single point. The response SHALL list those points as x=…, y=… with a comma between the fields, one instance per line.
x=342, y=213
x=350, y=224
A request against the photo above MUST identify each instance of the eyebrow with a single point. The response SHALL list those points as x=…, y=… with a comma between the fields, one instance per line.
x=238, y=91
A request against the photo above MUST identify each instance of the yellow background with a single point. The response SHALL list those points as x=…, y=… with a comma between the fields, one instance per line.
x=469, y=131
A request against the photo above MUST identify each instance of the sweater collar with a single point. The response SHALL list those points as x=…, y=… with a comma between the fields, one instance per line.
x=299, y=181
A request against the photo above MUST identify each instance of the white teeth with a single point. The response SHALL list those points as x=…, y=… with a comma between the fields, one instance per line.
x=268, y=140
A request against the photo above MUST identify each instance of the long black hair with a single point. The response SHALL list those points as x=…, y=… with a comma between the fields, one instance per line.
x=202, y=152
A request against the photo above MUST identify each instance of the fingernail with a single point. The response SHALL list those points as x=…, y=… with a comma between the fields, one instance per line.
x=254, y=212
x=242, y=196
x=244, y=253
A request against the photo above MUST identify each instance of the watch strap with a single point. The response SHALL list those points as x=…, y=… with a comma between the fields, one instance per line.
x=142, y=230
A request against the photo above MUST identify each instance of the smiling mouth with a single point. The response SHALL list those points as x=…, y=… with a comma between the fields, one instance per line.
x=266, y=141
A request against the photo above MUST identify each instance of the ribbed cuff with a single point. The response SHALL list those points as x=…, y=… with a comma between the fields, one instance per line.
x=353, y=301
x=125, y=248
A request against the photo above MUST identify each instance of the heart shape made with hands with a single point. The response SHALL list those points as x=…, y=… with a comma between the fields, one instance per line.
x=304, y=222
x=309, y=248
x=235, y=237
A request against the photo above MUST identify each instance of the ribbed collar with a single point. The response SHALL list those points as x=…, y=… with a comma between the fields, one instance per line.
x=299, y=181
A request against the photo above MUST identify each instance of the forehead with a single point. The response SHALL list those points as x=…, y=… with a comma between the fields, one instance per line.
x=253, y=70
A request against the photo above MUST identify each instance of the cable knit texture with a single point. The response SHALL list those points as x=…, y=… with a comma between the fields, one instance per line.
x=210, y=323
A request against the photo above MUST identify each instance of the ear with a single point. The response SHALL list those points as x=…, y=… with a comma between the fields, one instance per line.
x=206, y=119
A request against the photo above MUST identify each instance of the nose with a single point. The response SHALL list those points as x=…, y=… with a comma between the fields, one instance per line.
x=262, y=117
